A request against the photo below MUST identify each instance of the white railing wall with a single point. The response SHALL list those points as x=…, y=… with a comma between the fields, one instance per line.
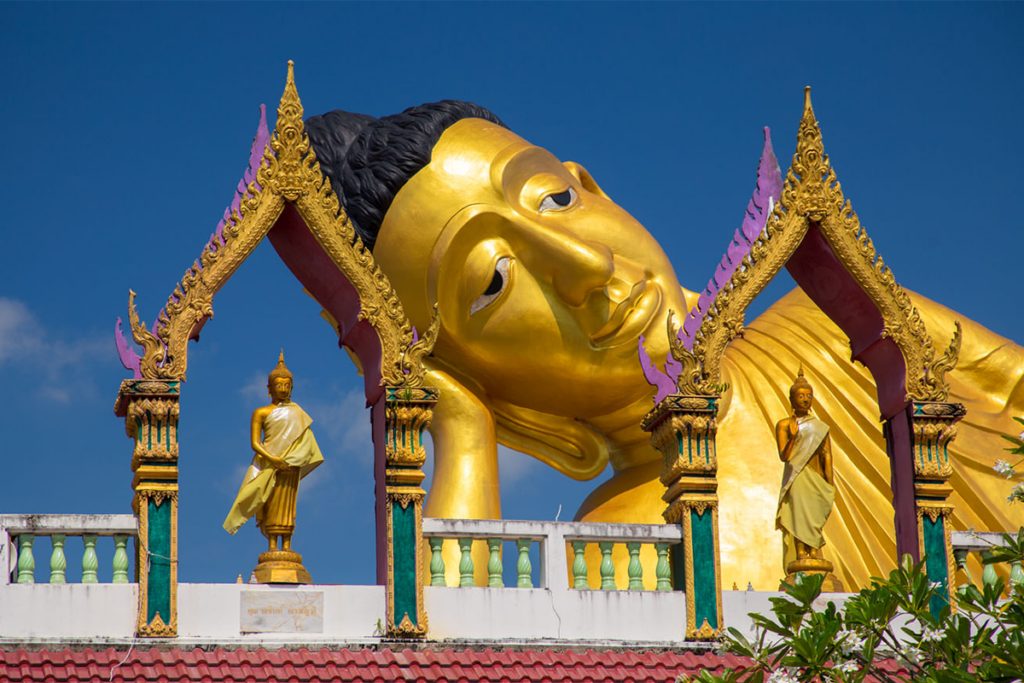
x=553, y=610
x=981, y=542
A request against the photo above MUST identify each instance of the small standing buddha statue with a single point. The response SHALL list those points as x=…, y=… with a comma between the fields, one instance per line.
x=808, y=487
x=285, y=451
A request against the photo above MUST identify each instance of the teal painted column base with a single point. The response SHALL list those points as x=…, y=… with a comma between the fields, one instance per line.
x=936, y=547
x=697, y=567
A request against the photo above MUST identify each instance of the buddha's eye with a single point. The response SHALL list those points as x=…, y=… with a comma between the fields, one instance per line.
x=561, y=200
x=495, y=288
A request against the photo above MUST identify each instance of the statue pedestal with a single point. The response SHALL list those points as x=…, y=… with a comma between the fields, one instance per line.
x=281, y=566
x=813, y=565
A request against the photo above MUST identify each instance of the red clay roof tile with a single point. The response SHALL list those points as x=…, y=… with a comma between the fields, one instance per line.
x=286, y=666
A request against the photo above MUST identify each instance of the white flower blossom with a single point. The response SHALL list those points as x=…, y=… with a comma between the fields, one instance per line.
x=847, y=667
x=911, y=654
x=1016, y=494
x=935, y=585
x=849, y=641
x=782, y=676
x=930, y=635
x=1004, y=469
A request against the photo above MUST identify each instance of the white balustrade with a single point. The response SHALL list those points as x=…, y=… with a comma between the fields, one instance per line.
x=552, y=538
x=982, y=542
x=19, y=547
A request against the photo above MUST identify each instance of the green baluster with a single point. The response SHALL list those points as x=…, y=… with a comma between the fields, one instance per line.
x=988, y=575
x=58, y=563
x=635, y=570
x=120, y=559
x=523, y=568
x=466, y=563
x=663, y=571
x=579, y=565
x=494, y=567
x=436, y=562
x=26, y=561
x=1016, y=574
x=607, y=567
x=89, y=562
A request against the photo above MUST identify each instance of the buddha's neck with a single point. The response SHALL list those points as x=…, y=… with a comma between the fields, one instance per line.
x=628, y=444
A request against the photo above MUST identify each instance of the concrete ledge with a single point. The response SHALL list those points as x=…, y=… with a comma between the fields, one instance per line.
x=500, y=614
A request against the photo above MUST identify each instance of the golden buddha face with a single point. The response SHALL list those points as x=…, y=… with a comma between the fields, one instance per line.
x=543, y=284
x=280, y=389
x=801, y=400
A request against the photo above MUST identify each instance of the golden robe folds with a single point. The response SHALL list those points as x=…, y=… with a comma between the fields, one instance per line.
x=266, y=492
x=805, y=500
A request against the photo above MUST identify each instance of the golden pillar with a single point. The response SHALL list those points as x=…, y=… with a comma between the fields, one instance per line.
x=150, y=409
x=407, y=414
x=683, y=429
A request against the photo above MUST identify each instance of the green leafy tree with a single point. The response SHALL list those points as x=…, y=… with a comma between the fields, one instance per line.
x=887, y=632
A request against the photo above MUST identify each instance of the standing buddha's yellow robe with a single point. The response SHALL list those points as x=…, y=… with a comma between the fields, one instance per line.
x=286, y=434
x=805, y=499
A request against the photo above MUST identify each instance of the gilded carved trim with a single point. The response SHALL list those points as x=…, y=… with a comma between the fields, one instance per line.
x=406, y=423
x=289, y=172
x=934, y=428
x=812, y=194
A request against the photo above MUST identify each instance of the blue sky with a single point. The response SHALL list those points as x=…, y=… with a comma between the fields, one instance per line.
x=128, y=126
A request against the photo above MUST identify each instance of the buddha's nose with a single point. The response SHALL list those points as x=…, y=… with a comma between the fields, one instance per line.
x=583, y=266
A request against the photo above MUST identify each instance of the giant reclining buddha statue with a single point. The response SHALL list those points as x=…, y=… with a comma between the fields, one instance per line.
x=544, y=285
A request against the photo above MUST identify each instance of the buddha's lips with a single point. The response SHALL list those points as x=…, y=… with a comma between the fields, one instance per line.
x=630, y=317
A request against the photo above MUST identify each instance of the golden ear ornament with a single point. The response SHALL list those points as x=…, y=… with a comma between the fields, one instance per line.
x=288, y=173
x=812, y=194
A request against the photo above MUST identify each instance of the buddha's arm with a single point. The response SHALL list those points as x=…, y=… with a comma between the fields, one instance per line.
x=465, y=481
x=785, y=433
x=256, y=434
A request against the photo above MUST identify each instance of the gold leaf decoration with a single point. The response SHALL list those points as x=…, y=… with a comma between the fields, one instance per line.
x=812, y=194
x=289, y=173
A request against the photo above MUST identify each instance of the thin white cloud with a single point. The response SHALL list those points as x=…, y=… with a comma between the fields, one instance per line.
x=20, y=332
x=66, y=366
x=516, y=467
x=256, y=388
x=345, y=422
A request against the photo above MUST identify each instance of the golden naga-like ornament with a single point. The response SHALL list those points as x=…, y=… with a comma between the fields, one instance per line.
x=813, y=196
x=288, y=174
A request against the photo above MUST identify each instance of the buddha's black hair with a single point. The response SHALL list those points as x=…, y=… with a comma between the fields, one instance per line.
x=369, y=160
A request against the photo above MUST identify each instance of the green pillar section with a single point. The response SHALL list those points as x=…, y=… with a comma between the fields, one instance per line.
x=158, y=542
x=937, y=562
x=403, y=527
x=705, y=599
